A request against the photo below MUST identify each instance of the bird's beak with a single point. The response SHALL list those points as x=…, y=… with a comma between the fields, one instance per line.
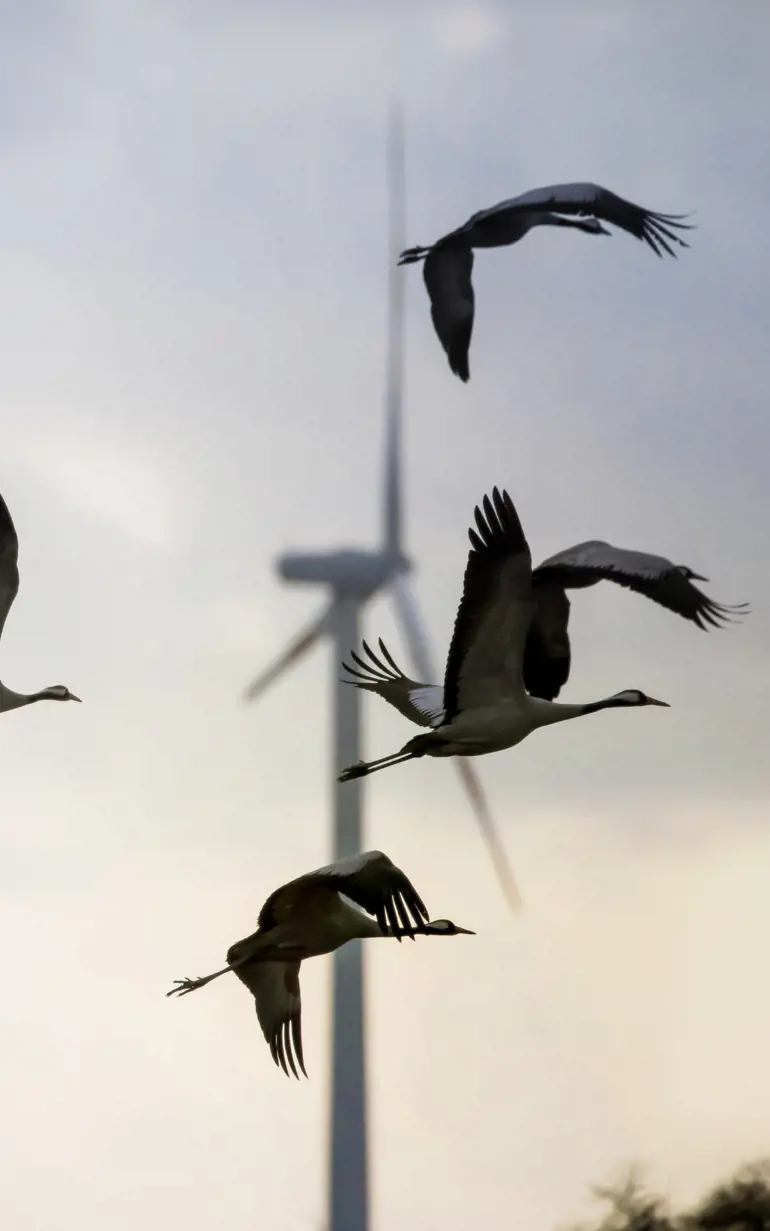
x=652, y=701
x=698, y=577
x=603, y=230
x=74, y=698
x=465, y=931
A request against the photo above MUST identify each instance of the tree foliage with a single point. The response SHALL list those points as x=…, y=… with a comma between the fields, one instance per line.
x=741, y=1203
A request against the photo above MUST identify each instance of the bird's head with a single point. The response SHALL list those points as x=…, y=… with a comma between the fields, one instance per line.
x=445, y=927
x=57, y=692
x=688, y=574
x=635, y=696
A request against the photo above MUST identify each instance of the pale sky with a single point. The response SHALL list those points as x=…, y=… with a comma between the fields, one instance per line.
x=193, y=248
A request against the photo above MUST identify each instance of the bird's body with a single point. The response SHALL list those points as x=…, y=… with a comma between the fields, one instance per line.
x=9, y=588
x=504, y=724
x=485, y=705
x=448, y=263
x=507, y=223
x=335, y=921
x=493, y=728
x=356, y=898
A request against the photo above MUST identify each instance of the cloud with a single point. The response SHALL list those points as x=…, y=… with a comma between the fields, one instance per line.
x=100, y=472
x=467, y=30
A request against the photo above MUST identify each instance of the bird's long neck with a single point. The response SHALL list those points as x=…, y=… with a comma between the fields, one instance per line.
x=616, y=702
x=10, y=700
x=548, y=712
x=366, y=927
x=363, y=926
x=427, y=929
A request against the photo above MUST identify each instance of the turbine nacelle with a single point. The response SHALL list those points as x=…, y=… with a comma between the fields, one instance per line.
x=349, y=571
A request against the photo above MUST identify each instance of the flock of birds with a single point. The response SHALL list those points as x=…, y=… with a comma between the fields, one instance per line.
x=508, y=659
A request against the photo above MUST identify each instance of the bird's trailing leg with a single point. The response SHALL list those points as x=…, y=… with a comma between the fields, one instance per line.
x=368, y=767
x=410, y=255
x=192, y=985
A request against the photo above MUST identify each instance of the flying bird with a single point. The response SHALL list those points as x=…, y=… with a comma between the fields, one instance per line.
x=9, y=588
x=448, y=262
x=484, y=705
x=547, y=653
x=362, y=896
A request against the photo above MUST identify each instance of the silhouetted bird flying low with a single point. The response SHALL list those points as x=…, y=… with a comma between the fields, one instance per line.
x=363, y=896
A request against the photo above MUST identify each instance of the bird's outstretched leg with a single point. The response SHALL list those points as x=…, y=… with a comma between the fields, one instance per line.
x=192, y=985
x=368, y=767
x=410, y=255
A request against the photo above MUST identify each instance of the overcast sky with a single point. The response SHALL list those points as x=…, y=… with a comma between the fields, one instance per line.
x=192, y=334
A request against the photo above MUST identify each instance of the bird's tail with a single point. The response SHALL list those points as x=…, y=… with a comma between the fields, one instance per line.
x=417, y=747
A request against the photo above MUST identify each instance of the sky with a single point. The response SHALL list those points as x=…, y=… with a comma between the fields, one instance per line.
x=193, y=238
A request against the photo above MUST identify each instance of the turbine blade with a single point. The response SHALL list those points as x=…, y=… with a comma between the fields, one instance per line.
x=292, y=654
x=415, y=632
x=494, y=843
x=393, y=494
x=416, y=638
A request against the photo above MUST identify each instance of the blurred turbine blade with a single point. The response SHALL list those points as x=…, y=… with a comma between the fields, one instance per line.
x=292, y=654
x=416, y=638
x=415, y=632
x=393, y=495
x=497, y=853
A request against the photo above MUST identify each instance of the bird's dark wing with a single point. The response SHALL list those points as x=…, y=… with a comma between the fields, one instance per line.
x=9, y=555
x=484, y=664
x=657, y=230
x=547, y=649
x=275, y=988
x=420, y=703
x=654, y=576
x=374, y=883
x=447, y=276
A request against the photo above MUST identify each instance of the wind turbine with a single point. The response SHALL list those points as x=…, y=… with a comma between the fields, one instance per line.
x=354, y=577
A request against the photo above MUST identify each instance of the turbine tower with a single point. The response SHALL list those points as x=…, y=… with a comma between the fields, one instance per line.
x=353, y=577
